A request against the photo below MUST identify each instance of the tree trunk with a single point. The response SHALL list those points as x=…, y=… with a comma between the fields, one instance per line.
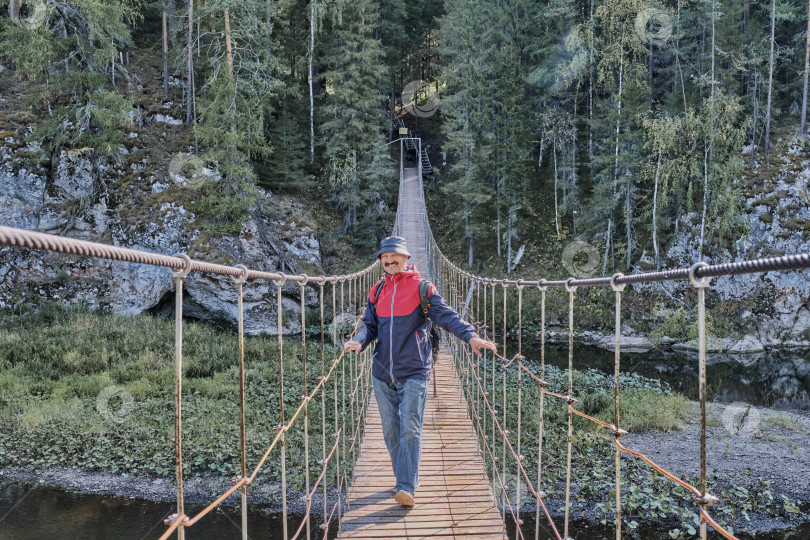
x=628, y=218
x=355, y=185
x=754, y=123
x=470, y=241
x=311, y=95
x=509, y=241
x=655, y=213
x=165, y=56
x=228, y=44
x=702, y=53
x=573, y=186
x=707, y=153
x=650, y=75
x=609, y=241
x=540, y=157
x=608, y=236
x=556, y=209
x=770, y=89
x=705, y=193
x=590, y=96
x=806, y=69
x=498, y=221
x=190, y=64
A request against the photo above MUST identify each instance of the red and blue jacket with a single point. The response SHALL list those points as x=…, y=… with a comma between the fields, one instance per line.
x=398, y=324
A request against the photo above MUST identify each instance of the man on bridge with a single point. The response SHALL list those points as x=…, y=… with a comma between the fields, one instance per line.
x=401, y=365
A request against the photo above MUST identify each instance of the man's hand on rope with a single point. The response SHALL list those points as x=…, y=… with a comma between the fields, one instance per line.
x=477, y=344
x=352, y=346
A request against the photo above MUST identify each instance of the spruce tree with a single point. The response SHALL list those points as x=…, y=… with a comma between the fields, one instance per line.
x=352, y=120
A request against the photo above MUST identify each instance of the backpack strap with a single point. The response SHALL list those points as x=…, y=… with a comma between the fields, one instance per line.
x=424, y=296
x=377, y=291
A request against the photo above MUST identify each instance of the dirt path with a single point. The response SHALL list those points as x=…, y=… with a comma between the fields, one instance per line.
x=767, y=444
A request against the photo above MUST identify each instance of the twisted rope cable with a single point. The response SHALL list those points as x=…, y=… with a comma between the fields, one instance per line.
x=10, y=236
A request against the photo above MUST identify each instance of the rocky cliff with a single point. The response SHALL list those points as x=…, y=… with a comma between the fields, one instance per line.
x=141, y=198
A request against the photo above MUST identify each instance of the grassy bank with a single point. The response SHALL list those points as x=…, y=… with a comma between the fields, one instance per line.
x=66, y=376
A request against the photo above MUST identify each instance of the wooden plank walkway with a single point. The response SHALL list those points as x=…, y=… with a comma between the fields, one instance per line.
x=453, y=500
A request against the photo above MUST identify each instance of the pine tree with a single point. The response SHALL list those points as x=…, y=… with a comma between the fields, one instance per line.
x=234, y=102
x=352, y=122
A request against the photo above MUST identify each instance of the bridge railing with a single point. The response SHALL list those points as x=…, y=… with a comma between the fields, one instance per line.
x=347, y=375
x=458, y=287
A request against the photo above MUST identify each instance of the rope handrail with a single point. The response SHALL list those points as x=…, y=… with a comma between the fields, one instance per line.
x=702, y=498
x=10, y=236
x=350, y=416
x=799, y=261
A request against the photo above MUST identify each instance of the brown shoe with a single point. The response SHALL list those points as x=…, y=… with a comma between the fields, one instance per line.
x=405, y=498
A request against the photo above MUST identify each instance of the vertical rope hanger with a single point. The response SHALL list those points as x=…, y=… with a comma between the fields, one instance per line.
x=520, y=408
x=304, y=397
x=337, y=431
x=479, y=359
x=240, y=281
x=504, y=486
x=343, y=482
x=179, y=276
x=541, y=426
x=484, y=362
x=570, y=289
x=279, y=284
x=618, y=323
x=494, y=464
x=701, y=285
x=324, y=463
x=352, y=357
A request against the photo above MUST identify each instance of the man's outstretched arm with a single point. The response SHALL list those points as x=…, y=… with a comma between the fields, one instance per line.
x=444, y=316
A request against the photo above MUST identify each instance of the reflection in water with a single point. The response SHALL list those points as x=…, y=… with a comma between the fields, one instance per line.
x=41, y=512
x=779, y=380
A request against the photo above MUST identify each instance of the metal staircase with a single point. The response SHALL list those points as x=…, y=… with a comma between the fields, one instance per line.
x=410, y=145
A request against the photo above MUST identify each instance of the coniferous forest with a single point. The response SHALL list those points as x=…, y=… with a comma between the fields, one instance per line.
x=623, y=123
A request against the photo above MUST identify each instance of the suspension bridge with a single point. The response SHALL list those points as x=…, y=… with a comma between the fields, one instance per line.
x=474, y=475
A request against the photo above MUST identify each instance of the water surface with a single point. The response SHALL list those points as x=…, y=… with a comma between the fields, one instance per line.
x=778, y=380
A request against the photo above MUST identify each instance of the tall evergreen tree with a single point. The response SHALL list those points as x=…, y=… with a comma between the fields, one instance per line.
x=235, y=101
x=352, y=123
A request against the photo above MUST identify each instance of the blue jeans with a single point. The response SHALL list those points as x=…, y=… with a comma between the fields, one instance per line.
x=402, y=411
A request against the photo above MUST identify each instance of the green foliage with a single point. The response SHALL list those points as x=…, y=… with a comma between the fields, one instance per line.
x=226, y=205
x=75, y=49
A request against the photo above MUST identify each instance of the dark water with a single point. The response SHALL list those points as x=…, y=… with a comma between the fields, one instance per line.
x=778, y=380
x=28, y=513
